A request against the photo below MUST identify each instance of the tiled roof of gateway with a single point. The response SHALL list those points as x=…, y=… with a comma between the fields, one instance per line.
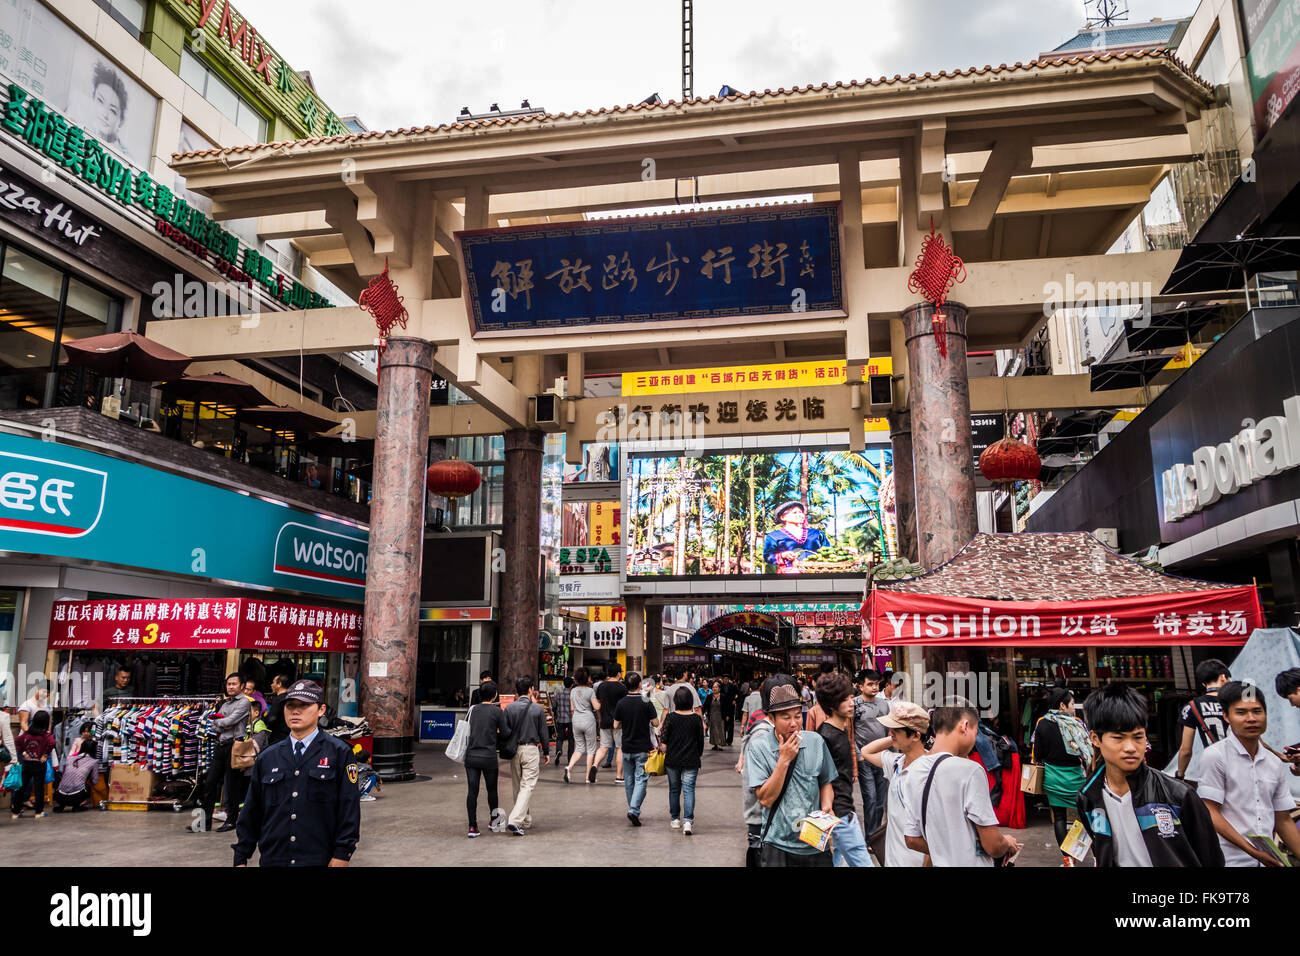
x=896, y=80
x=1067, y=566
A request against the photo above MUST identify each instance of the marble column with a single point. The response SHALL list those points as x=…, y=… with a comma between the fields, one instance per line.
x=521, y=537
x=392, y=608
x=900, y=437
x=635, y=632
x=939, y=401
x=654, y=639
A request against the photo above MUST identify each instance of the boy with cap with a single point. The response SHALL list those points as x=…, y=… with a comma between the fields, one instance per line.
x=303, y=806
x=907, y=723
x=790, y=773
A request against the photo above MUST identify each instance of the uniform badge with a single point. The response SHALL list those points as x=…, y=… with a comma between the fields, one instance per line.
x=352, y=773
x=1164, y=821
x=324, y=763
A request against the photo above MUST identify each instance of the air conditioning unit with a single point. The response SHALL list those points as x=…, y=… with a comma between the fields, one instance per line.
x=1108, y=536
x=880, y=389
x=546, y=411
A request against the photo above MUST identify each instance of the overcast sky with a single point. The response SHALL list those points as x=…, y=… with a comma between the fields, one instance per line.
x=398, y=63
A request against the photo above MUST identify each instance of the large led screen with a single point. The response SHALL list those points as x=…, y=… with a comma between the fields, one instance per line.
x=798, y=512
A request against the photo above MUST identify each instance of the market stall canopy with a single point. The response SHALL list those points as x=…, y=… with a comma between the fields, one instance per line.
x=214, y=389
x=1056, y=589
x=126, y=355
x=285, y=418
x=1215, y=266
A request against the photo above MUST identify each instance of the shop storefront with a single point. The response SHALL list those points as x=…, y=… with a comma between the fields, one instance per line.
x=76, y=525
x=1012, y=615
x=155, y=733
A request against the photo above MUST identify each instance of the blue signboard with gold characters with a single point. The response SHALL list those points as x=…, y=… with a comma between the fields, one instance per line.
x=772, y=260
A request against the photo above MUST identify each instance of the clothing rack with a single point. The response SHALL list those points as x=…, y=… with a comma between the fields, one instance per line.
x=160, y=698
x=188, y=781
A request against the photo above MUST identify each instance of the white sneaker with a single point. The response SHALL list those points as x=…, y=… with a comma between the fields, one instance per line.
x=676, y=824
x=498, y=824
x=686, y=828
x=368, y=797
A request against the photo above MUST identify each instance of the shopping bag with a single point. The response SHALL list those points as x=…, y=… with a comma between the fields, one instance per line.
x=1031, y=778
x=460, y=739
x=654, y=764
x=14, y=777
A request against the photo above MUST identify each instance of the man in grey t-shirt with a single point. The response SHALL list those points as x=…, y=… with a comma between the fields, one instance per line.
x=868, y=708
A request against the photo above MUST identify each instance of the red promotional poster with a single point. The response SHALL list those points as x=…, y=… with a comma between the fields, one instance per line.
x=202, y=624
x=1222, y=616
x=273, y=626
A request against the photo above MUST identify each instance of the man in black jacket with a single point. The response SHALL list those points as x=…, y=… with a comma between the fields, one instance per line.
x=303, y=806
x=274, y=719
x=1138, y=816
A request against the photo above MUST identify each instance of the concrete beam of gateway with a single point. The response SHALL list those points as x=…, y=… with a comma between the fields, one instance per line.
x=1005, y=297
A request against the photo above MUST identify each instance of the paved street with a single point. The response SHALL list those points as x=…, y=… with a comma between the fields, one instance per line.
x=422, y=823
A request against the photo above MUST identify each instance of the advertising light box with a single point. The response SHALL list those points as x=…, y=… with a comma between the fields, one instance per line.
x=783, y=513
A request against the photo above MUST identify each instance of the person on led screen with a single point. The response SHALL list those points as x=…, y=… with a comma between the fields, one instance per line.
x=109, y=96
x=792, y=539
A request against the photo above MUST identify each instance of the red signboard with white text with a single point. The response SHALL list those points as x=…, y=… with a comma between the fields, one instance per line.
x=1222, y=616
x=202, y=624
x=270, y=625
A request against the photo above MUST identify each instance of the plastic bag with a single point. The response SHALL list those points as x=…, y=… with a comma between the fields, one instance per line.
x=459, y=740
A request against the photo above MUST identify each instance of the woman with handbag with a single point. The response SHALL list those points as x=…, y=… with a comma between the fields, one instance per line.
x=487, y=724
x=243, y=754
x=1061, y=744
x=34, y=748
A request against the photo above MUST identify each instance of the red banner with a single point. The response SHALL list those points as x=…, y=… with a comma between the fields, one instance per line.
x=201, y=624
x=272, y=626
x=1225, y=616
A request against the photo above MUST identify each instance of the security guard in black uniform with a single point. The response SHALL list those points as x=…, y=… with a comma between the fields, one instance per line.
x=303, y=806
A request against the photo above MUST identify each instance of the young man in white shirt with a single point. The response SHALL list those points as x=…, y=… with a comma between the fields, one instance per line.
x=1243, y=785
x=955, y=825
x=907, y=722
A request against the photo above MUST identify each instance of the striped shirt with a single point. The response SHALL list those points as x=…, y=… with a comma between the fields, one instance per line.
x=562, y=705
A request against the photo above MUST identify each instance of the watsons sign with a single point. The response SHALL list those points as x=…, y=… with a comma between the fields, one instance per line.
x=305, y=552
x=58, y=501
x=1260, y=450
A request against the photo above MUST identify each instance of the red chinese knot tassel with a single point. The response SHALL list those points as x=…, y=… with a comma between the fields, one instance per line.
x=381, y=300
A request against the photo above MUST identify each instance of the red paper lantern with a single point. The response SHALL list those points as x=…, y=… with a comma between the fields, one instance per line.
x=452, y=478
x=1008, y=460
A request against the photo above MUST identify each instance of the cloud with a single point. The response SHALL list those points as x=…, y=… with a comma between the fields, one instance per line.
x=410, y=64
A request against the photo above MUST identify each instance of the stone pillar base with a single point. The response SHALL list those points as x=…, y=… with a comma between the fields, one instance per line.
x=394, y=758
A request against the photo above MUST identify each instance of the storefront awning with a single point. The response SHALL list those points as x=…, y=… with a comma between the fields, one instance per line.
x=1167, y=330
x=1056, y=589
x=1216, y=266
x=202, y=624
x=1132, y=372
